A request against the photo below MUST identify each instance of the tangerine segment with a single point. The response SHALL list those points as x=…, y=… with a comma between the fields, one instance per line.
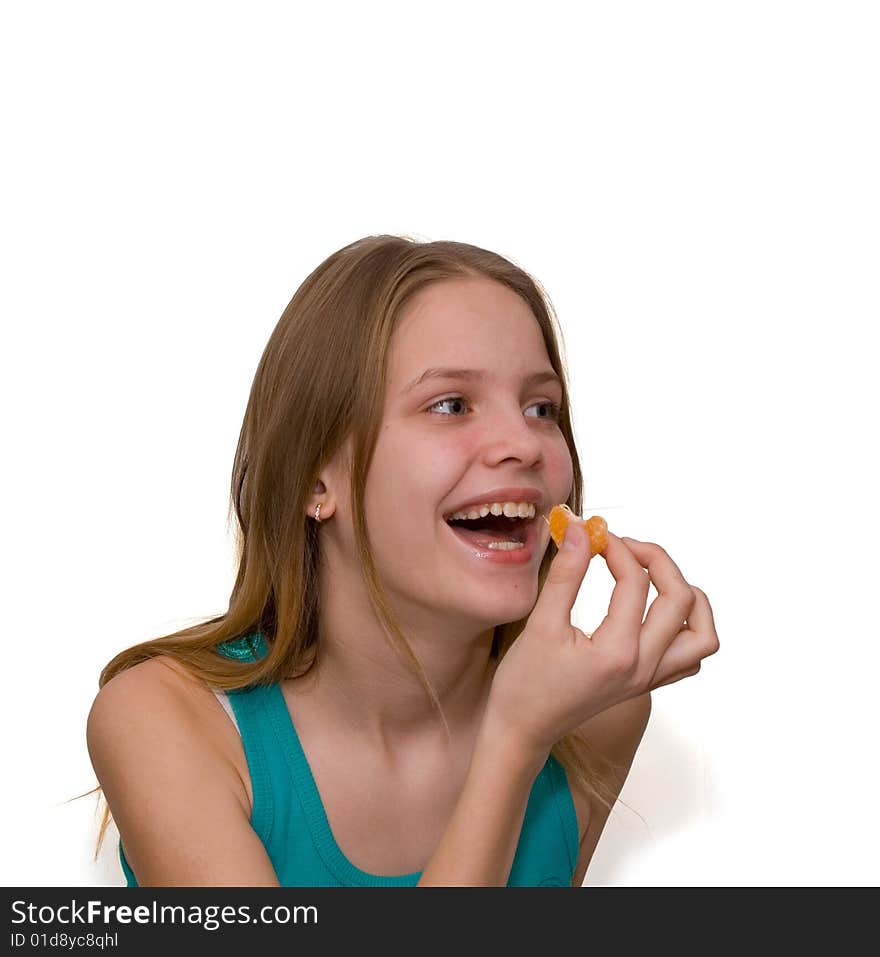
x=597, y=528
x=560, y=515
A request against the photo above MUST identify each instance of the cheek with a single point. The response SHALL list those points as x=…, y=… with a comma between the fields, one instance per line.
x=558, y=472
x=409, y=478
x=559, y=463
x=427, y=466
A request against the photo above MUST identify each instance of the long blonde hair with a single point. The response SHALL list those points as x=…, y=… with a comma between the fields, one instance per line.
x=319, y=382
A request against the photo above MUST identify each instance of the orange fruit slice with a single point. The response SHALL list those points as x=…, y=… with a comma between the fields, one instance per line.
x=560, y=515
x=597, y=528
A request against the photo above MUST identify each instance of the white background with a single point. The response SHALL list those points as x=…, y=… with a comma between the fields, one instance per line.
x=696, y=186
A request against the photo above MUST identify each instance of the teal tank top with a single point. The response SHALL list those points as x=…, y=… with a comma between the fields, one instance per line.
x=288, y=814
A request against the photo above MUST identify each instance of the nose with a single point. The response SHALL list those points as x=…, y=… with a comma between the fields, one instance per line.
x=512, y=435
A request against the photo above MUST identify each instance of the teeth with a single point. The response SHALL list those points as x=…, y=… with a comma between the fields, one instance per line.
x=505, y=546
x=510, y=509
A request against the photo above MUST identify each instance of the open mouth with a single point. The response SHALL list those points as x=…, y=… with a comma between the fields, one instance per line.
x=492, y=528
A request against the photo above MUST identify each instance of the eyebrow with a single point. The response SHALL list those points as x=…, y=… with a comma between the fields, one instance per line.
x=472, y=375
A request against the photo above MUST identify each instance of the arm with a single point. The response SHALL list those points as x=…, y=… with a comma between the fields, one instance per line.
x=171, y=793
x=479, y=843
x=616, y=733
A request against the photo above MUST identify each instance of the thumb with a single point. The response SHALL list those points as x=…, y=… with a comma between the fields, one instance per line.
x=567, y=570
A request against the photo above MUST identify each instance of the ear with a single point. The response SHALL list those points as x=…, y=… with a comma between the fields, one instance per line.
x=319, y=497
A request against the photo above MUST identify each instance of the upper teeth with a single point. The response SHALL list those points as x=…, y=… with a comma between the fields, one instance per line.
x=510, y=509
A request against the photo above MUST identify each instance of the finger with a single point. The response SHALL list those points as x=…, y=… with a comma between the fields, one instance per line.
x=562, y=584
x=674, y=602
x=702, y=621
x=682, y=656
x=621, y=626
x=676, y=677
x=696, y=640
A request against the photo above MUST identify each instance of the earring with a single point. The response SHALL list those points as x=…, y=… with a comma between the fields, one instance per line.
x=318, y=512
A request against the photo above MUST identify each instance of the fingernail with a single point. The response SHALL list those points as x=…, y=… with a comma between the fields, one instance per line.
x=574, y=535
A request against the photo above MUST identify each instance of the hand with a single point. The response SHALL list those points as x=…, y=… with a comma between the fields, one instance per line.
x=555, y=677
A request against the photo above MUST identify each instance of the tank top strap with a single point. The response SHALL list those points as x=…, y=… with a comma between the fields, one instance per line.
x=248, y=706
x=250, y=647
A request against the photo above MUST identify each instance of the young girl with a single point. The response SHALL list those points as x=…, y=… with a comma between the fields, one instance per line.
x=396, y=694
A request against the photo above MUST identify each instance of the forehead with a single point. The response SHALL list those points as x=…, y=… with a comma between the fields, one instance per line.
x=461, y=320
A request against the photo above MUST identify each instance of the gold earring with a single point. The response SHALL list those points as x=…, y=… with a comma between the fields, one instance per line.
x=318, y=512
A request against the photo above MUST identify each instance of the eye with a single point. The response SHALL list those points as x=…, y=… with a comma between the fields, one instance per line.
x=553, y=409
x=458, y=399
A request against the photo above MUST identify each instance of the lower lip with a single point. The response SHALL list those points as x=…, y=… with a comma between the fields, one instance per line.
x=498, y=556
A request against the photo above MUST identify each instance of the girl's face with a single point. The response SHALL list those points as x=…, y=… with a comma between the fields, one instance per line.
x=450, y=441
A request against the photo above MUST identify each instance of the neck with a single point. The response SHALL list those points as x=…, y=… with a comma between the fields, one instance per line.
x=368, y=690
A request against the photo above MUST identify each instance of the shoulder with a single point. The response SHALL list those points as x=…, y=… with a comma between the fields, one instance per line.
x=615, y=734
x=158, y=689
x=156, y=712
x=156, y=741
x=156, y=681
